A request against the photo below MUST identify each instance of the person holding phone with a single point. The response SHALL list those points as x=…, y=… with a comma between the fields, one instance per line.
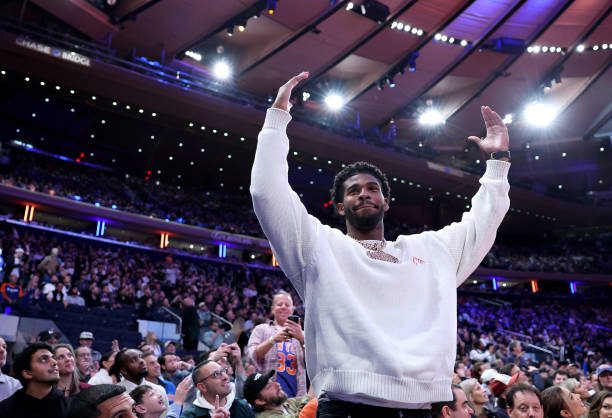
x=279, y=345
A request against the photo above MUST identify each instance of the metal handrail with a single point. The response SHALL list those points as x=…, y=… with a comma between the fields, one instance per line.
x=220, y=318
x=179, y=325
x=537, y=347
x=518, y=334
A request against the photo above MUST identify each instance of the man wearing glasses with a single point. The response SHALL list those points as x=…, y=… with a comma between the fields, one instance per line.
x=216, y=395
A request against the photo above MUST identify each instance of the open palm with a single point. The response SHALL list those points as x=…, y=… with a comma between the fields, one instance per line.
x=284, y=93
x=497, y=133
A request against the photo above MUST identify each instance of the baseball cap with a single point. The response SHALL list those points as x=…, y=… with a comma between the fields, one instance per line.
x=254, y=384
x=86, y=335
x=501, y=382
x=167, y=343
x=487, y=375
x=48, y=334
x=603, y=369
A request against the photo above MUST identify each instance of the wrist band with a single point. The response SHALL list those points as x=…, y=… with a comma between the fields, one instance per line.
x=500, y=154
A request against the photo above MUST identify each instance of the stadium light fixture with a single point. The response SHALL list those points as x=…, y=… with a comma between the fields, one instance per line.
x=222, y=70
x=334, y=101
x=539, y=114
x=431, y=117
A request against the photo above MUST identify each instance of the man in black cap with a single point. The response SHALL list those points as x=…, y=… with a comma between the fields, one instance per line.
x=268, y=399
x=102, y=401
x=49, y=336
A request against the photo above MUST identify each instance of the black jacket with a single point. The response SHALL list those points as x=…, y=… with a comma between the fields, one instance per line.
x=22, y=405
x=239, y=409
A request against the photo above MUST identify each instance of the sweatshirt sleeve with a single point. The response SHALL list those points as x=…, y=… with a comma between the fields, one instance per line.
x=469, y=240
x=174, y=411
x=283, y=217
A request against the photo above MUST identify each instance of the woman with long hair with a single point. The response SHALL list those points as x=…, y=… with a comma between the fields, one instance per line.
x=103, y=376
x=69, y=375
x=601, y=405
x=558, y=402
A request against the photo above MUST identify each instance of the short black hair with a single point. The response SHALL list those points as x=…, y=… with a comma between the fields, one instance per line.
x=520, y=387
x=138, y=393
x=106, y=356
x=196, y=371
x=436, y=407
x=337, y=190
x=507, y=368
x=115, y=369
x=85, y=403
x=162, y=359
x=24, y=360
x=560, y=372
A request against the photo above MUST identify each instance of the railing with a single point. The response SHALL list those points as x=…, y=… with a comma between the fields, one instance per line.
x=538, y=348
x=179, y=325
x=220, y=318
x=516, y=334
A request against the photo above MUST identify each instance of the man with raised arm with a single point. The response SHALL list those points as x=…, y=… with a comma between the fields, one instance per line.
x=380, y=316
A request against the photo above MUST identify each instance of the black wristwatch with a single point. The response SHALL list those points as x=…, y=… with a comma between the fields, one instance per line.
x=497, y=155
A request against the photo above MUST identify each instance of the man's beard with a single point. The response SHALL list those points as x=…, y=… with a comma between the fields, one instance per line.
x=364, y=222
x=278, y=400
x=141, y=375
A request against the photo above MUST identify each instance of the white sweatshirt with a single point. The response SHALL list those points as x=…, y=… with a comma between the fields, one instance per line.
x=376, y=332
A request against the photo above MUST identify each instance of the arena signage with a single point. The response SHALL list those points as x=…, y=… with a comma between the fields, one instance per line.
x=54, y=51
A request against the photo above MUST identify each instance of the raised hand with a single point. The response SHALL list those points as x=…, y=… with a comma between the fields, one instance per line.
x=497, y=133
x=219, y=412
x=182, y=390
x=284, y=93
x=235, y=353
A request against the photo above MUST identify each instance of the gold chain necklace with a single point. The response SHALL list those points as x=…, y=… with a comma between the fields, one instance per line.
x=375, y=250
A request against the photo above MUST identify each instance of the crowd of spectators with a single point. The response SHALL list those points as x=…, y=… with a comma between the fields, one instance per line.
x=232, y=212
x=541, y=339
x=553, y=330
x=570, y=255
x=203, y=208
x=87, y=273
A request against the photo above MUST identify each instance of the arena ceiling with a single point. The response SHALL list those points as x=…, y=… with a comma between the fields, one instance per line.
x=448, y=55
